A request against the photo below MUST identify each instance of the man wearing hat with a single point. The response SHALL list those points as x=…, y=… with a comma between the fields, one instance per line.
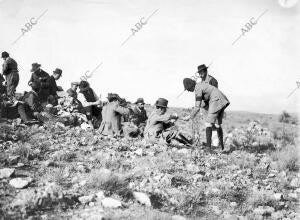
x=90, y=102
x=11, y=73
x=139, y=114
x=112, y=114
x=202, y=71
x=42, y=80
x=53, y=86
x=217, y=103
x=73, y=90
x=159, y=125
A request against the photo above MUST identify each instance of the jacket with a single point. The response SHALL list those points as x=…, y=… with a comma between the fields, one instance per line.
x=156, y=124
x=33, y=101
x=138, y=116
x=9, y=66
x=213, y=96
x=111, y=119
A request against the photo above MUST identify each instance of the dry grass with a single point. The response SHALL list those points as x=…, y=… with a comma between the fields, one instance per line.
x=287, y=158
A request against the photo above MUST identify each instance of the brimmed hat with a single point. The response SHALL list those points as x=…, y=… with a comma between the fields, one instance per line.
x=75, y=83
x=84, y=86
x=112, y=96
x=140, y=100
x=189, y=84
x=161, y=102
x=35, y=66
x=4, y=54
x=57, y=71
x=202, y=67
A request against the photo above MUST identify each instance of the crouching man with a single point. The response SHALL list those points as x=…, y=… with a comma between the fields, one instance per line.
x=160, y=125
x=112, y=114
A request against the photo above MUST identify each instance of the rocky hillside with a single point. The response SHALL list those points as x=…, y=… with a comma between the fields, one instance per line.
x=58, y=172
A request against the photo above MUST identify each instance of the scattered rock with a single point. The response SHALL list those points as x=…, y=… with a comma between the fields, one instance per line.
x=142, y=198
x=278, y=196
x=139, y=152
x=20, y=183
x=111, y=203
x=293, y=196
x=216, y=209
x=178, y=217
x=6, y=172
x=233, y=204
x=13, y=160
x=295, y=183
x=100, y=195
x=87, y=199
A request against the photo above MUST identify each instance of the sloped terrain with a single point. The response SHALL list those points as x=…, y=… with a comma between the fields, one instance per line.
x=58, y=172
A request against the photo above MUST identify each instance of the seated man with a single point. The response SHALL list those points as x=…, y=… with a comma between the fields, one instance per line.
x=137, y=119
x=159, y=124
x=42, y=80
x=14, y=110
x=53, y=86
x=112, y=115
x=91, y=104
x=73, y=90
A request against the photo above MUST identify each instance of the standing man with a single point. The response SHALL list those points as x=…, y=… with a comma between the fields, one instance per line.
x=11, y=73
x=202, y=71
x=217, y=103
x=42, y=80
x=112, y=114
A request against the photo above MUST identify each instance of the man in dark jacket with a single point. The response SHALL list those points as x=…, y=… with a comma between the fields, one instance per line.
x=92, y=105
x=42, y=80
x=53, y=86
x=217, y=103
x=11, y=73
x=202, y=71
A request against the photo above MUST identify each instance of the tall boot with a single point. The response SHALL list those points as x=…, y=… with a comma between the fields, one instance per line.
x=208, y=131
x=220, y=136
x=182, y=139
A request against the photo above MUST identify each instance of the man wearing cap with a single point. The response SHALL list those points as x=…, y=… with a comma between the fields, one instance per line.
x=159, y=124
x=73, y=90
x=11, y=73
x=112, y=114
x=42, y=80
x=90, y=102
x=139, y=114
x=217, y=103
x=206, y=78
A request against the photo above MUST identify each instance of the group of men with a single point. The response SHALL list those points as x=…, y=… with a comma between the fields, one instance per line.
x=116, y=117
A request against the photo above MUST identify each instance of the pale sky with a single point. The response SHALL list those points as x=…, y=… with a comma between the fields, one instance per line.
x=256, y=73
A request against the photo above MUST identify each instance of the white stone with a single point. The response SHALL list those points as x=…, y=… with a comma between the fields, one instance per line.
x=278, y=196
x=216, y=209
x=86, y=199
x=178, y=217
x=142, y=198
x=100, y=195
x=6, y=172
x=111, y=203
x=20, y=183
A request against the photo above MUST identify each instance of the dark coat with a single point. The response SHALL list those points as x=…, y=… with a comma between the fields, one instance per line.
x=9, y=66
x=33, y=101
x=43, y=81
x=138, y=116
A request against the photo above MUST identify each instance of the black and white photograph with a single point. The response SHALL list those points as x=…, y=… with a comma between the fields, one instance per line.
x=150, y=109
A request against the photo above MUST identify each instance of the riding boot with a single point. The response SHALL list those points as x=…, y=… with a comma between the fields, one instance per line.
x=182, y=139
x=220, y=136
x=208, y=137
